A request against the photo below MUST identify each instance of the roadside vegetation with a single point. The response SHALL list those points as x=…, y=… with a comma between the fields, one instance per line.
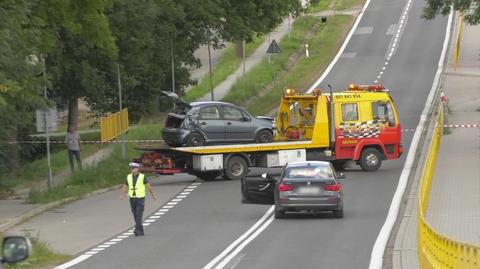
x=41, y=257
x=291, y=68
x=107, y=173
x=228, y=63
x=34, y=172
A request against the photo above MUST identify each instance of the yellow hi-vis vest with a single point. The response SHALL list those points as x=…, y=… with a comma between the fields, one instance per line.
x=139, y=187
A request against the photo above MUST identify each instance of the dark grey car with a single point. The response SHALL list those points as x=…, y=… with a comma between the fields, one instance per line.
x=200, y=123
x=302, y=186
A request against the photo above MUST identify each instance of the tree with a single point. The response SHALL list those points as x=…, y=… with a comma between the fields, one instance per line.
x=80, y=49
x=20, y=79
x=470, y=9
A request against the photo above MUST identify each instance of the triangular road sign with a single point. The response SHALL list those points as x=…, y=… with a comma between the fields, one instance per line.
x=273, y=48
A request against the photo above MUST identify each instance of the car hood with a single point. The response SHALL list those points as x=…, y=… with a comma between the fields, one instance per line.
x=177, y=100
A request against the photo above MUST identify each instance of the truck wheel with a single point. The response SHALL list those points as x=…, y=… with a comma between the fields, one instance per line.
x=264, y=136
x=207, y=175
x=195, y=140
x=371, y=159
x=236, y=168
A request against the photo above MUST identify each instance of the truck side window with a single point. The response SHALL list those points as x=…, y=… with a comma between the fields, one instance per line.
x=350, y=112
x=383, y=111
x=209, y=113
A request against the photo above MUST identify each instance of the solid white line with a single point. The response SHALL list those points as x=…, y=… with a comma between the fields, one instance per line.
x=342, y=48
x=71, y=263
x=91, y=253
x=240, y=239
x=376, y=259
x=244, y=243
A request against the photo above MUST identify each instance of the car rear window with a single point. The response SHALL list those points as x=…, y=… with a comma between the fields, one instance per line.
x=310, y=172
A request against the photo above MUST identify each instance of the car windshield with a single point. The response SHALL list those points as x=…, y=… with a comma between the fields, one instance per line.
x=308, y=172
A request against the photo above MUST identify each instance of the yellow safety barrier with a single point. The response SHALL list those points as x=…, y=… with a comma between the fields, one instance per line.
x=112, y=127
x=456, y=53
x=436, y=250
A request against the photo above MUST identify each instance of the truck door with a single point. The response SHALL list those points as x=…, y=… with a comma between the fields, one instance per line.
x=211, y=123
x=238, y=125
x=257, y=190
x=383, y=111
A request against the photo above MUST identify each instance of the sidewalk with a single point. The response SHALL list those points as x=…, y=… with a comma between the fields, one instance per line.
x=454, y=208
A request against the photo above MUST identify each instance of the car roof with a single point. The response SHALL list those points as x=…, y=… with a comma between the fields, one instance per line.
x=204, y=103
x=307, y=163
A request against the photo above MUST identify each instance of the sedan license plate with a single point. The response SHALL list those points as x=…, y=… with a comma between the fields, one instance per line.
x=309, y=190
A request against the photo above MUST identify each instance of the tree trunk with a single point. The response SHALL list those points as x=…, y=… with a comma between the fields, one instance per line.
x=73, y=112
x=13, y=161
x=239, y=48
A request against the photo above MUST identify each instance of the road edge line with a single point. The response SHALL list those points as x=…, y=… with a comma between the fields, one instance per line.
x=342, y=48
x=376, y=258
x=227, y=250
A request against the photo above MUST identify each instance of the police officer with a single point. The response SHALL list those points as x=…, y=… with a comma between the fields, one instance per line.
x=135, y=186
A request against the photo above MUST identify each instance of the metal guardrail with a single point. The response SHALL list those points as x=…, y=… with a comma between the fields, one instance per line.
x=113, y=125
x=436, y=250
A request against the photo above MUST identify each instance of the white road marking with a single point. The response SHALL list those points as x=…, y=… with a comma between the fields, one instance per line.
x=376, y=259
x=119, y=238
x=240, y=239
x=181, y=196
x=363, y=30
x=342, y=48
x=245, y=243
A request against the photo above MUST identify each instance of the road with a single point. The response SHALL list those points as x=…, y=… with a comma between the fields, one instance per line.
x=211, y=218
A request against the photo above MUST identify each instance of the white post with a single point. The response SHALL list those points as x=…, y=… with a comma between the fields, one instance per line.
x=307, y=54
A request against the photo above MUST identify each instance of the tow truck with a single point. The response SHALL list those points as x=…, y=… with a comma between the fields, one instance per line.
x=360, y=124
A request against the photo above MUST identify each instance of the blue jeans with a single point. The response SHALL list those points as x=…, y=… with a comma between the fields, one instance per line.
x=76, y=154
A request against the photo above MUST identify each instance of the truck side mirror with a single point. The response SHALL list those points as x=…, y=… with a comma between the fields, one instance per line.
x=15, y=249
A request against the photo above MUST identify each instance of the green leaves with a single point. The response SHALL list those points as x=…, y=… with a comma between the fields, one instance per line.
x=470, y=9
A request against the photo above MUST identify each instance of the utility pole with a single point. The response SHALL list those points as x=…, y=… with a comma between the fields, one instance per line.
x=121, y=112
x=173, y=65
x=210, y=66
x=243, y=54
x=47, y=131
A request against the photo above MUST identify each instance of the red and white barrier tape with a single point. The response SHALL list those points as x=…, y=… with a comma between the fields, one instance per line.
x=160, y=141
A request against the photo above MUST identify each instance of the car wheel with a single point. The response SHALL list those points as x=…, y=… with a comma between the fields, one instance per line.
x=264, y=136
x=371, y=159
x=208, y=175
x=195, y=140
x=236, y=168
x=279, y=214
x=338, y=214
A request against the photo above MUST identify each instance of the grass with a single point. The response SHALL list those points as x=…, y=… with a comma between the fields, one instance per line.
x=109, y=172
x=320, y=6
x=227, y=64
x=322, y=47
x=345, y=4
x=38, y=169
x=41, y=257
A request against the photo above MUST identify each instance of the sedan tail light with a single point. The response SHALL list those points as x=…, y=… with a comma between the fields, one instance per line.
x=284, y=187
x=334, y=187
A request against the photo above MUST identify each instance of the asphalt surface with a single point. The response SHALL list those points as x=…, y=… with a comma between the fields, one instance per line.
x=205, y=223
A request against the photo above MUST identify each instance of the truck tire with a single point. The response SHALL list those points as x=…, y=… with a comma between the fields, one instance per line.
x=207, y=175
x=195, y=140
x=264, y=136
x=371, y=159
x=235, y=168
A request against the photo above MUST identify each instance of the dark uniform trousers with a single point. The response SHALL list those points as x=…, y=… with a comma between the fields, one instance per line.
x=138, y=205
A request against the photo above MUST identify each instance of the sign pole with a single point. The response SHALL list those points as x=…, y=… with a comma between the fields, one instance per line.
x=121, y=112
x=47, y=133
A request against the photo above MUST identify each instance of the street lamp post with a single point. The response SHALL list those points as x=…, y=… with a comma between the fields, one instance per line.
x=47, y=131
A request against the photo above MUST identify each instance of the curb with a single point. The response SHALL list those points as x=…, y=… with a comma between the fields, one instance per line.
x=42, y=208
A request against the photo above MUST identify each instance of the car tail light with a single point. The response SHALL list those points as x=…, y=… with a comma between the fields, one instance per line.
x=284, y=187
x=334, y=187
